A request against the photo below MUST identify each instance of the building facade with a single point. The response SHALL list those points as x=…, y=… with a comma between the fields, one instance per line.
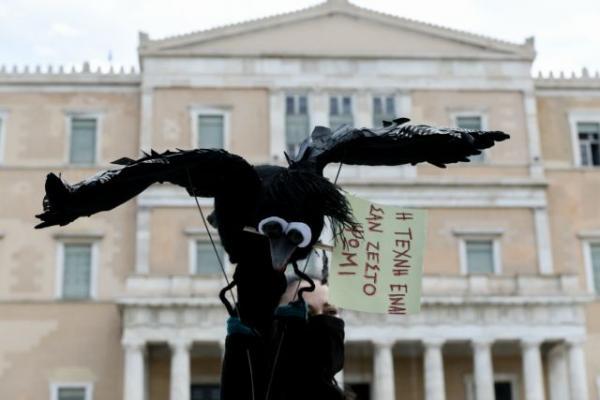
x=124, y=305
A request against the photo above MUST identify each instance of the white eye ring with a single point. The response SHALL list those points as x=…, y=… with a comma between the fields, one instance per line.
x=282, y=222
x=304, y=231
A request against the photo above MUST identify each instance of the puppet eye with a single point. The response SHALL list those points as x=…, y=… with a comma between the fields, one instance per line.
x=298, y=233
x=272, y=226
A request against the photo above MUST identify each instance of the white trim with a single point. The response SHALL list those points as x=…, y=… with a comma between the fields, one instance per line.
x=87, y=386
x=99, y=117
x=587, y=262
x=196, y=111
x=142, y=240
x=3, y=130
x=277, y=124
x=501, y=193
x=60, y=258
x=500, y=377
x=576, y=116
x=492, y=236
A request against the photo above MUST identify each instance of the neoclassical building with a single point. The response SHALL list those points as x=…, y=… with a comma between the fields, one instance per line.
x=123, y=305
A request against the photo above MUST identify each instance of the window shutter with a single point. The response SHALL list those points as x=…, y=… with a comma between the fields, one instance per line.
x=83, y=141
x=206, y=259
x=77, y=271
x=595, y=256
x=71, y=394
x=480, y=256
x=211, y=130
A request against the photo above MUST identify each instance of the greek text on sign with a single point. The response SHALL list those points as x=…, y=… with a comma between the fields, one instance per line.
x=377, y=267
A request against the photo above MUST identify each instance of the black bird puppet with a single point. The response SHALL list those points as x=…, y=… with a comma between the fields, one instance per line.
x=287, y=208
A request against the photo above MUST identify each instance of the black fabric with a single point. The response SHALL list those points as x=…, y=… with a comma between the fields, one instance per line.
x=311, y=352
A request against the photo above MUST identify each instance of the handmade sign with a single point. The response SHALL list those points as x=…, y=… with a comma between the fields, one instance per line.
x=377, y=266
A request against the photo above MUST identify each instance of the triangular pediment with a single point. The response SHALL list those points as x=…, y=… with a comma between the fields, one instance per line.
x=336, y=29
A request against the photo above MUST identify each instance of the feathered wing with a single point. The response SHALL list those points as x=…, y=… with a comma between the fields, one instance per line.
x=202, y=172
x=394, y=144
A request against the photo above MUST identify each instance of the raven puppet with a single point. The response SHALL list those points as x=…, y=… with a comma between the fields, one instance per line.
x=287, y=206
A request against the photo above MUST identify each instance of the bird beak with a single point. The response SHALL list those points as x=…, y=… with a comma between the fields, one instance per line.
x=281, y=251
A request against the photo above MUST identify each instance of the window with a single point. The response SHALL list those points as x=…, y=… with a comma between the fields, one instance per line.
x=71, y=391
x=211, y=129
x=297, y=124
x=588, y=134
x=77, y=271
x=480, y=256
x=83, y=144
x=340, y=111
x=471, y=122
x=205, y=392
x=384, y=109
x=204, y=259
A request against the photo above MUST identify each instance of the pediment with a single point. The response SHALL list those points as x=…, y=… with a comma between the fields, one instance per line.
x=336, y=29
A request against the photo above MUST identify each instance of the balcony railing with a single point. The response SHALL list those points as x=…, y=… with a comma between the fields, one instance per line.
x=434, y=286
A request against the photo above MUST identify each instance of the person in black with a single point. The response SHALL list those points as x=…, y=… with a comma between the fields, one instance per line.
x=298, y=359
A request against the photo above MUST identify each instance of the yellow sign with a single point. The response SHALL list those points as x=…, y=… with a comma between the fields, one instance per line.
x=377, y=267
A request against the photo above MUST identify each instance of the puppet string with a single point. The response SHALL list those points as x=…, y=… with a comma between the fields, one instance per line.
x=214, y=246
x=337, y=175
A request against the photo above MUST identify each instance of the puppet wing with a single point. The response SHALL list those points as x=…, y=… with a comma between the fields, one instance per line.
x=202, y=172
x=394, y=144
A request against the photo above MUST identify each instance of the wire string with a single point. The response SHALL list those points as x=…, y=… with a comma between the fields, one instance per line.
x=214, y=246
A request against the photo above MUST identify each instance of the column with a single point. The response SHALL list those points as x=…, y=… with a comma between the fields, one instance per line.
x=577, y=370
x=363, y=110
x=133, y=381
x=180, y=369
x=146, y=111
x=277, y=123
x=433, y=370
x=142, y=240
x=558, y=381
x=383, y=370
x=532, y=369
x=318, y=103
x=536, y=169
x=483, y=371
x=542, y=237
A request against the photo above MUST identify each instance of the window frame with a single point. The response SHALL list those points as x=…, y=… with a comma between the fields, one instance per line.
x=200, y=236
x=493, y=235
x=60, y=266
x=454, y=116
x=3, y=130
x=383, y=96
x=87, y=386
x=99, y=117
x=340, y=97
x=197, y=111
x=588, y=240
x=575, y=117
x=296, y=95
